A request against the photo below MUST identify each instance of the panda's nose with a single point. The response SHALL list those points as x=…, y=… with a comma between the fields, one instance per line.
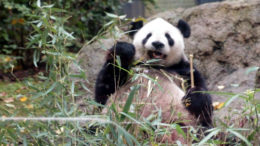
x=157, y=45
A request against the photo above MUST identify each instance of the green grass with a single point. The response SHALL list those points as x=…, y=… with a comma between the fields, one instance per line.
x=114, y=131
x=17, y=99
x=10, y=87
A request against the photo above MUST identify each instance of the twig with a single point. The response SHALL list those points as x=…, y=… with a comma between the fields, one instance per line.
x=64, y=119
x=257, y=75
x=191, y=71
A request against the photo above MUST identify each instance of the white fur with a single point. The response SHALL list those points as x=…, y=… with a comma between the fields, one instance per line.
x=158, y=27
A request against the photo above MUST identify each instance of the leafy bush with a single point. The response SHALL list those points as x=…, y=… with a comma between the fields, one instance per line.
x=85, y=19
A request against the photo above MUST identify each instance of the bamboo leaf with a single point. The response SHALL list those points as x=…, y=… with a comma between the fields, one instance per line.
x=178, y=143
x=129, y=101
x=38, y=3
x=240, y=136
x=128, y=136
x=25, y=141
x=213, y=133
x=118, y=60
x=35, y=58
x=133, y=119
x=230, y=100
x=220, y=93
x=152, y=61
x=45, y=93
x=72, y=87
x=111, y=15
x=180, y=131
x=251, y=69
x=153, y=80
x=48, y=6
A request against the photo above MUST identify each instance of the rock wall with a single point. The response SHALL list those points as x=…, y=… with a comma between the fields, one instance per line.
x=225, y=36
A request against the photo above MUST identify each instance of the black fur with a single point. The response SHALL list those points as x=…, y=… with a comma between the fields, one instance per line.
x=135, y=26
x=146, y=38
x=169, y=38
x=199, y=103
x=111, y=76
x=184, y=28
x=157, y=45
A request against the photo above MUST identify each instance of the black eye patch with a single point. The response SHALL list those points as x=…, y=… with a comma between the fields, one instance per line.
x=170, y=40
x=146, y=38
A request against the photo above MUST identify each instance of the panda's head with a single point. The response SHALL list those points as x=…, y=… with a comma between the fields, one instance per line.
x=159, y=39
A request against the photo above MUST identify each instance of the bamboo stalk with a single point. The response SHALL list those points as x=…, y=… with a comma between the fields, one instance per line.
x=191, y=71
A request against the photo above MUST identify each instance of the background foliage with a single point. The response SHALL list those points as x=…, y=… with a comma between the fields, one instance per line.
x=84, y=19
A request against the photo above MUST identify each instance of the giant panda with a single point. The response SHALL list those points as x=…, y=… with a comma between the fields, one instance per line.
x=160, y=41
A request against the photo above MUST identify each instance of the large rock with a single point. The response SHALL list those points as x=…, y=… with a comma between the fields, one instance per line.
x=225, y=41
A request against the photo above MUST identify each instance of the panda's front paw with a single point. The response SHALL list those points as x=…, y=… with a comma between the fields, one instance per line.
x=197, y=102
x=124, y=50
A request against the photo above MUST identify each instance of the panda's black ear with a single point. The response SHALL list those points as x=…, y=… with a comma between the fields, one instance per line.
x=184, y=28
x=134, y=27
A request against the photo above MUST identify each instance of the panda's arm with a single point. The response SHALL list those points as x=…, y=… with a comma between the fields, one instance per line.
x=183, y=69
x=196, y=101
x=113, y=73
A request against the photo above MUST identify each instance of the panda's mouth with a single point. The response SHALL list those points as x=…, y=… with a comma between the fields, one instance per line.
x=156, y=55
